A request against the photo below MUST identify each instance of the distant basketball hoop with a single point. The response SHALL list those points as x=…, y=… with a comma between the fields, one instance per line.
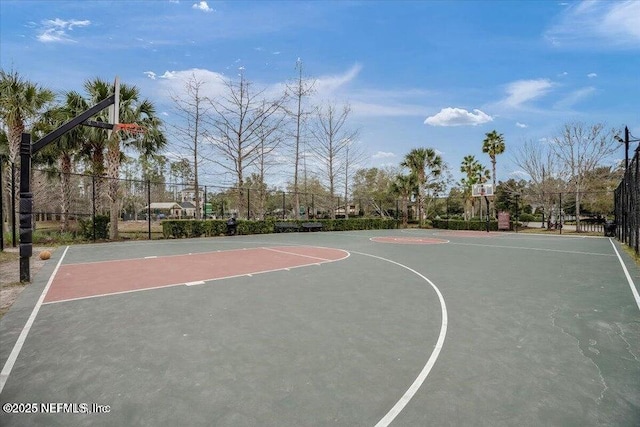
x=481, y=190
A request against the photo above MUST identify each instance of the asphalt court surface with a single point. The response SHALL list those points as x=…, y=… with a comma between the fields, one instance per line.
x=442, y=328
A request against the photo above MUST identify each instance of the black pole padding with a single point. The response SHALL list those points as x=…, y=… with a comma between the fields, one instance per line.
x=1, y=206
x=14, y=238
x=26, y=208
x=93, y=209
x=149, y=210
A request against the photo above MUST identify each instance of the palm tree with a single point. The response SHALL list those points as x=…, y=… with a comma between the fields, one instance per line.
x=106, y=153
x=141, y=112
x=61, y=154
x=21, y=103
x=424, y=163
x=493, y=145
x=404, y=186
x=475, y=173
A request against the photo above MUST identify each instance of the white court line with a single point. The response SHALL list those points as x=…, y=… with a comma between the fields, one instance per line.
x=156, y=256
x=634, y=291
x=8, y=366
x=199, y=282
x=422, y=376
x=293, y=253
x=530, y=249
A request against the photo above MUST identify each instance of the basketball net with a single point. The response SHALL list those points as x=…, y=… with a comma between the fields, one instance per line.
x=132, y=128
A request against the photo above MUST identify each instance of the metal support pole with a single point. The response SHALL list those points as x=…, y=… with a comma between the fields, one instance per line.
x=626, y=148
x=560, y=215
x=313, y=205
x=14, y=238
x=248, y=204
x=447, y=208
x=93, y=213
x=1, y=207
x=149, y=208
x=487, y=200
x=517, y=214
x=205, y=202
x=283, y=203
x=26, y=208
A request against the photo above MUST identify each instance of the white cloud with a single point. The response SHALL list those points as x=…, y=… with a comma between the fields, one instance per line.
x=382, y=155
x=592, y=75
x=57, y=30
x=521, y=91
x=597, y=23
x=458, y=117
x=521, y=125
x=326, y=85
x=150, y=74
x=575, y=97
x=173, y=82
x=203, y=6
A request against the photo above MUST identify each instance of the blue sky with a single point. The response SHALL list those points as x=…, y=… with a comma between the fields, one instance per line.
x=416, y=74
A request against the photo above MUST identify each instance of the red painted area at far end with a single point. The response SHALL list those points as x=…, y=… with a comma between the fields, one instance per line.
x=77, y=281
x=466, y=233
x=403, y=240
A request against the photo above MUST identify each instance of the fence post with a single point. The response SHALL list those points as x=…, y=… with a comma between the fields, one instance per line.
x=283, y=204
x=149, y=208
x=205, y=202
x=248, y=204
x=636, y=203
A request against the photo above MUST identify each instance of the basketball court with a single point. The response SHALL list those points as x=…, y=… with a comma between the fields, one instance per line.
x=371, y=328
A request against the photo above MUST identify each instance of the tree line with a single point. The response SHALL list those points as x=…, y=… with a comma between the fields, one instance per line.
x=249, y=135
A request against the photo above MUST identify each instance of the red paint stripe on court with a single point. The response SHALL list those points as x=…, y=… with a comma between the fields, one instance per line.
x=464, y=233
x=75, y=281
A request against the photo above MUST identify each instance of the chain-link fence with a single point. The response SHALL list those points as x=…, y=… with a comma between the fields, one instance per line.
x=627, y=205
x=75, y=203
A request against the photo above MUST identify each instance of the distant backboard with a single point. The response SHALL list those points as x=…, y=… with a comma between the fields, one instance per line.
x=479, y=190
x=114, y=110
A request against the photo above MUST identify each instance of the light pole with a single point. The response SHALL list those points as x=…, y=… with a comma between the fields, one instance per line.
x=626, y=142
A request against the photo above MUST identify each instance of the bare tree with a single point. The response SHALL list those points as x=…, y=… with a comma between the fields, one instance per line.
x=192, y=107
x=331, y=137
x=581, y=149
x=239, y=118
x=354, y=156
x=300, y=89
x=547, y=179
x=269, y=137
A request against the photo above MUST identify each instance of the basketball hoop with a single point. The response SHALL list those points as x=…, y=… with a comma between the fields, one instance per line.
x=132, y=128
x=482, y=190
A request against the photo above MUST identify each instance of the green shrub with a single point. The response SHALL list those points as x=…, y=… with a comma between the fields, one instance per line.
x=101, y=227
x=525, y=217
x=185, y=228
x=454, y=224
